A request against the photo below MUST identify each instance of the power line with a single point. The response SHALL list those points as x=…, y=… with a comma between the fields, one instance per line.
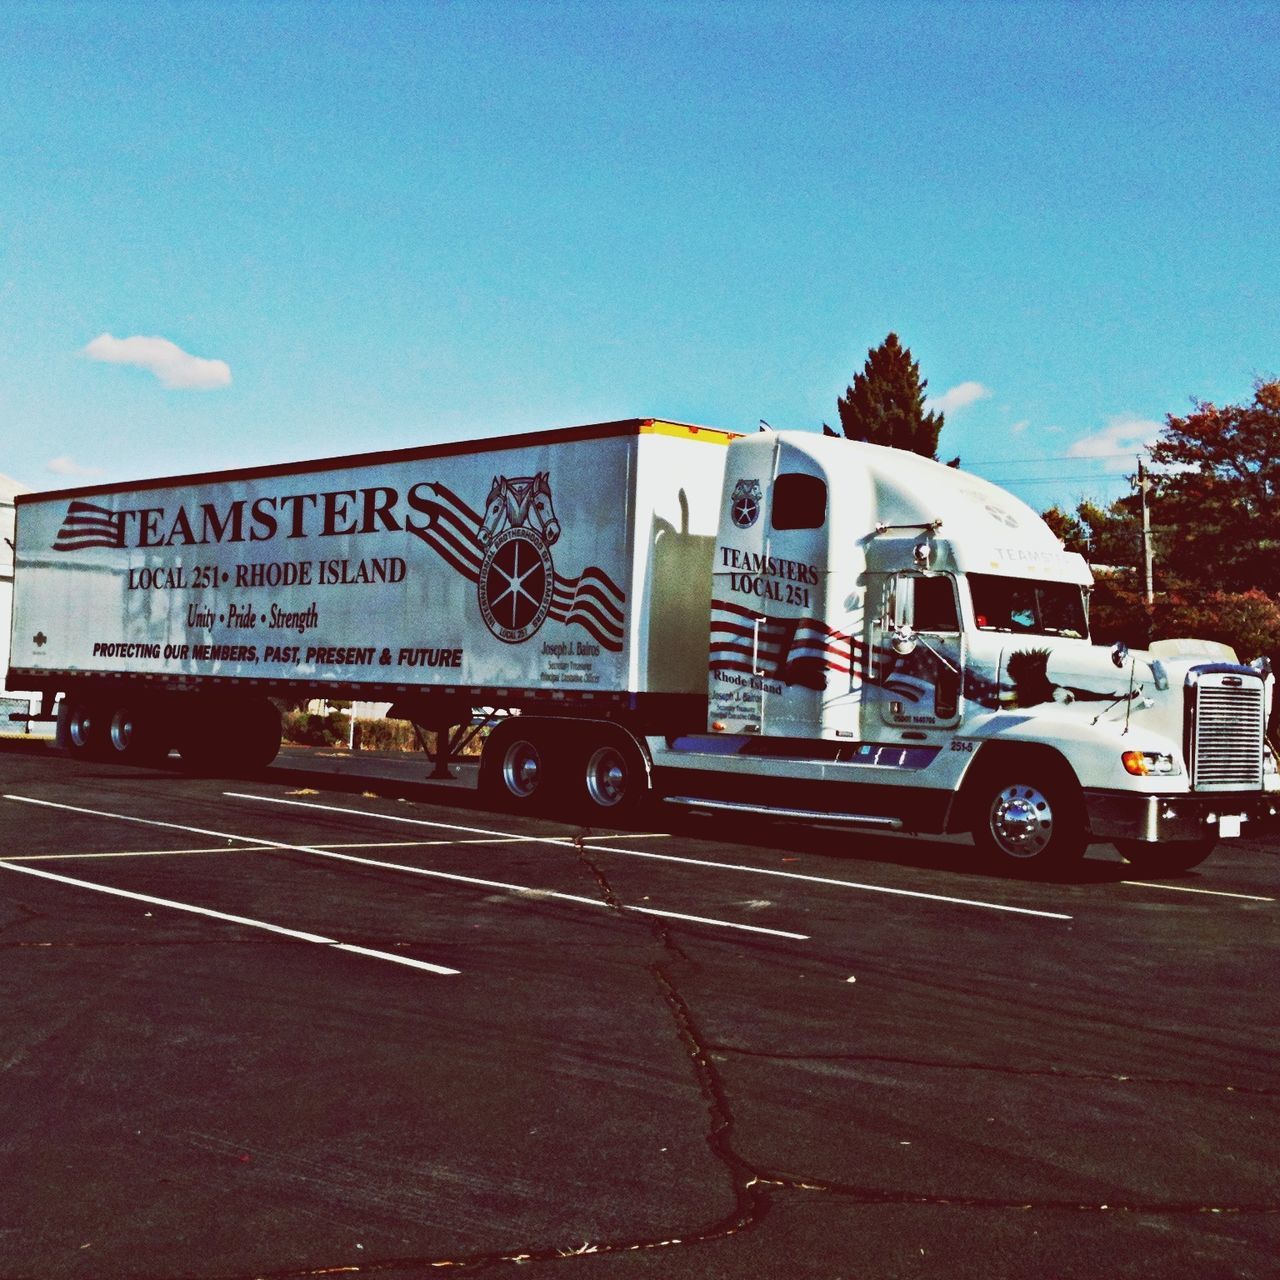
x=1063, y=479
x=1058, y=457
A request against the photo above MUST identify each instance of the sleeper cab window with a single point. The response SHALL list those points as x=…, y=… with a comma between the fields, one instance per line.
x=799, y=502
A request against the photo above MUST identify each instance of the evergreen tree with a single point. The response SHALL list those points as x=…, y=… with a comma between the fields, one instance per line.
x=885, y=404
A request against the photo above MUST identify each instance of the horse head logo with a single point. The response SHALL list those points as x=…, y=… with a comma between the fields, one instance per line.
x=540, y=504
x=520, y=502
x=517, y=579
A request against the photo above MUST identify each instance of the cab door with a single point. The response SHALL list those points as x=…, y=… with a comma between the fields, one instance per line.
x=735, y=694
x=920, y=653
x=770, y=647
x=796, y=664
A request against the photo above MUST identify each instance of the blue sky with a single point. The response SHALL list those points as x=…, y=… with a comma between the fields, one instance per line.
x=380, y=225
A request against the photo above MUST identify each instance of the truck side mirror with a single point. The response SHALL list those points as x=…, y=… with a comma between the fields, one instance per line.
x=903, y=640
x=1119, y=653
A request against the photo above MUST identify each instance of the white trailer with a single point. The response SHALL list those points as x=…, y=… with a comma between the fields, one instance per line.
x=781, y=624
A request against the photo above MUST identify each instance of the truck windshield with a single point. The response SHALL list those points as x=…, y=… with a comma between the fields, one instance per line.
x=1022, y=606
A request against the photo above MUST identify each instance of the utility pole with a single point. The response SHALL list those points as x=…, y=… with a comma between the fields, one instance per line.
x=1148, y=590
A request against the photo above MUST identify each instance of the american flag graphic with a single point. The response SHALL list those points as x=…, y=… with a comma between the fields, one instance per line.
x=799, y=651
x=592, y=600
x=87, y=525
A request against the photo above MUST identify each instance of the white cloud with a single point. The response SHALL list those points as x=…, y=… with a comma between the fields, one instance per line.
x=68, y=466
x=1118, y=443
x=1019, y=427
x=173, y=366
x=958, y=397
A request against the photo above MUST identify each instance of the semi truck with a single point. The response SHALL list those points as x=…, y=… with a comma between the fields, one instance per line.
x=778, y=624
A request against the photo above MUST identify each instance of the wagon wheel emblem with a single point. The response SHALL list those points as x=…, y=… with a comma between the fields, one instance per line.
x=517, y=580
x=744, y=504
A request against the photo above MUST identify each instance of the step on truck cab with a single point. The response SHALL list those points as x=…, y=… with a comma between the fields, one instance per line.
x=780, y=624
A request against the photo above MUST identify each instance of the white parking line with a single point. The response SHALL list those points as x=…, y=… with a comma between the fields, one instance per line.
x=222, y=848
x=297, y=934
x=127, y=853
x=264, y=845
x=599, y=847
x=1186, y=888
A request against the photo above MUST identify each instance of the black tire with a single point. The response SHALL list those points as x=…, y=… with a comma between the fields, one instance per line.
x=1169, y=858
x=137, y=733
x=1027, y=819
x=612, y=777
x=202, y=739
x=86, y=729
x=239, y=738
x=258, y=726
x=514, y=771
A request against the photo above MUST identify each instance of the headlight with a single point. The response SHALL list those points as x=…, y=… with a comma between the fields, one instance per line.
x=1144, y=763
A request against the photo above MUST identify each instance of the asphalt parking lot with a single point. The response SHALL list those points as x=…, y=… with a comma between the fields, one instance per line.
x=339, y=1022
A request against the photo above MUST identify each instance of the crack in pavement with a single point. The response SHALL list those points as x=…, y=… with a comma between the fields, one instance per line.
x=752, y=1186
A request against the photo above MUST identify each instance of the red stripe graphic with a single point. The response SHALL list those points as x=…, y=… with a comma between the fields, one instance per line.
x=86, y=525
x=795, y=650
x=592, y=601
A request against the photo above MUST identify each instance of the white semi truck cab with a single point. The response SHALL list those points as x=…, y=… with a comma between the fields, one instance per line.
x=781, y=624
x=907, y=646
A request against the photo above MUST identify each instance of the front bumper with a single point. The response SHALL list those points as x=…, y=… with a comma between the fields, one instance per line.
x=1121, y=815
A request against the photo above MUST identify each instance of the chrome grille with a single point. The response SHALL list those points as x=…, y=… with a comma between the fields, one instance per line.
x=1228, y=729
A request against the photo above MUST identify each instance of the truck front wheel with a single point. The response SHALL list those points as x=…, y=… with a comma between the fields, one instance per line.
x=1028, y=822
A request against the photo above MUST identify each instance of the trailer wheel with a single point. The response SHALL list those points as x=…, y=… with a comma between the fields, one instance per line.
x=613, y=778
x=522, y=769
x=237, y=738
x=1165, y=859
x=136, y=734
x=516, y=768
x=257, y=722
x=1028, y=820
x=86, y=731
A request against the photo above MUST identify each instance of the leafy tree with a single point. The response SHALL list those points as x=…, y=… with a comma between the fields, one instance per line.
x=1216, y=515
x=1068, y=529
x=885, y=404
x=1216, y=476
x=1109, y=536
x=1117, y=611
x=1249, y=621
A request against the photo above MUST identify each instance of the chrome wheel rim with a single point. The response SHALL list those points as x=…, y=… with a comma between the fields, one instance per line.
x=521, y=769
x=121, y=731
x=79, y=728
x=607, y=777
x=1021, y=821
